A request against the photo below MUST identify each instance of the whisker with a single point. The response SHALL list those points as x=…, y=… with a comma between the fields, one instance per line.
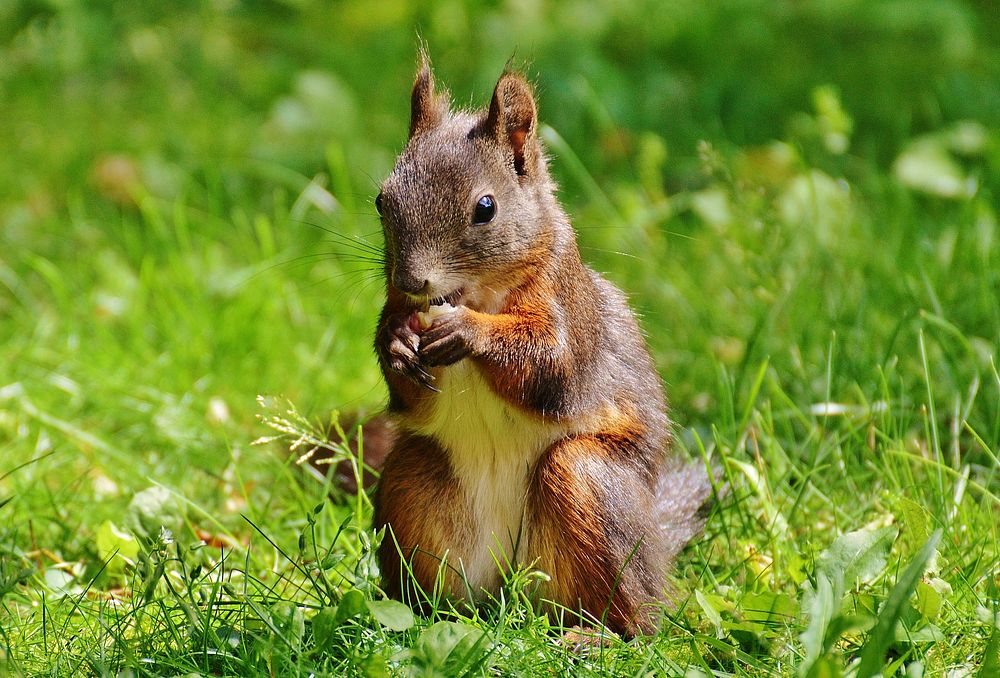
x=365, y=285
x=349, y=240
x=605, y=251
x=350, y=256
x=337, y=256
x=358, y=284
x=291, y=263
x=356, y=244
x=362, y=276
x=360, y=250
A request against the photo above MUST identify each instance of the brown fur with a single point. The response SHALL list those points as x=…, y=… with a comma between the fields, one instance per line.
x=533, y=423
x=589, y=514
x=417, y=476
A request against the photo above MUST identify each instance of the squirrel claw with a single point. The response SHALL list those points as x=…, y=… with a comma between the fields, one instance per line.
x=409, y=366
x=445, y=342
x=424, y=378
x=399, y=351
x=444, y=353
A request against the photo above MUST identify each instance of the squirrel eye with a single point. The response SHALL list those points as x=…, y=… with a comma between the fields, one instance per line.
x=486, y=209
x=378, y=204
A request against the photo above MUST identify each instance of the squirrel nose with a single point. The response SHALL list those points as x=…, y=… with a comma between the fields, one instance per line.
x=409, y=283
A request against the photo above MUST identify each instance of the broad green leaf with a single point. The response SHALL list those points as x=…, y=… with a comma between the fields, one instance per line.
x=925, y=634
x=856, y=558
x=882, y=636
x=351, y=605
x=391, y=614
x=967, y=137
x=769, y=606
x=845, y=626
x=448, y=643
x=795, y=567
x=820, y=607
x=926, y=166
x=288, y=619
x=915, y=520
x=710, y=611
x=117, y=547
x=375, y=666
x=324, y=624
x=930, y=595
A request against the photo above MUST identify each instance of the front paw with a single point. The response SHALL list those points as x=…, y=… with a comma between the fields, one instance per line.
x=399, y=342
x=448, y=340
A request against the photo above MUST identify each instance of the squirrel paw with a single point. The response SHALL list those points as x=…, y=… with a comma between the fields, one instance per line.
x=448, y=340
x=401, y=345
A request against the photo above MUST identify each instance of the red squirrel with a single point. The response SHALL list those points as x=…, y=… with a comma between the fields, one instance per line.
x=530, y=423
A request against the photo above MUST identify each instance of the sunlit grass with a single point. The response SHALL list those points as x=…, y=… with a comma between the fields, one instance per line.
x=189, y=263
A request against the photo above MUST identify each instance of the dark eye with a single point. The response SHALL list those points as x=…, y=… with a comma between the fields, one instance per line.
x=378, y=204
x=486, y=209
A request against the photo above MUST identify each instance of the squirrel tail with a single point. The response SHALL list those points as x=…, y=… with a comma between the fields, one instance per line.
x=684, y=499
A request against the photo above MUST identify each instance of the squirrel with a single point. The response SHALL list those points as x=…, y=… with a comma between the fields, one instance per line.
x=530, y=424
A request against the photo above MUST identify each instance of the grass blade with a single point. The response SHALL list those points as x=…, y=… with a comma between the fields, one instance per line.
x=881, y=637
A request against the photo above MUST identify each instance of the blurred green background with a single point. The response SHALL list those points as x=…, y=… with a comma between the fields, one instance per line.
x=156, y=159
x=799, y=197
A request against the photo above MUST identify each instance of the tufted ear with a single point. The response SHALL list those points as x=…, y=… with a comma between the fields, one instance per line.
x=513, y=120
x=427, y=107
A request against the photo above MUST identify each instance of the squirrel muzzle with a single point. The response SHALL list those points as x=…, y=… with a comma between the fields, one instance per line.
x=410, y=282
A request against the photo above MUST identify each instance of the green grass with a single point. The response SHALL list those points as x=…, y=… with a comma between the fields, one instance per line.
x=799, y=198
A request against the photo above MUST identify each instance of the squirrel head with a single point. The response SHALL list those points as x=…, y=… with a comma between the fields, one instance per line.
x=469, y=208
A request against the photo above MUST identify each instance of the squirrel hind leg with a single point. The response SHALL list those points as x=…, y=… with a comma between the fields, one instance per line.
x=587, y=520
x=683, y=500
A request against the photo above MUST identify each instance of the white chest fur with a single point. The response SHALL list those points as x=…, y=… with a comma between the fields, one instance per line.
x=492, y=447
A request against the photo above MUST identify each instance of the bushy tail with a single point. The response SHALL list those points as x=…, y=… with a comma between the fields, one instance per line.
x=684, y=498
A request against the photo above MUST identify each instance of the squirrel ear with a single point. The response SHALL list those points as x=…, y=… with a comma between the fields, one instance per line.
x=427, y=108
x=513, y=119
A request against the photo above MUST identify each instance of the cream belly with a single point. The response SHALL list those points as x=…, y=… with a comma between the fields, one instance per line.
x=492, y=447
